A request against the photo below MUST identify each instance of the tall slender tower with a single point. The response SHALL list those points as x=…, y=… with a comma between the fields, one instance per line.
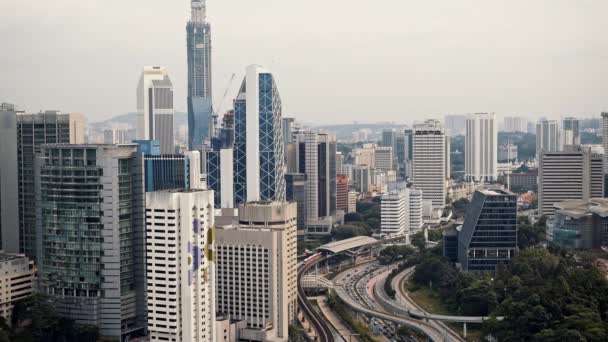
x=481, y=162
x=199, y=75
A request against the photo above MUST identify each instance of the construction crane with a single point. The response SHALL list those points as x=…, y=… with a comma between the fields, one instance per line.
x=215, y=113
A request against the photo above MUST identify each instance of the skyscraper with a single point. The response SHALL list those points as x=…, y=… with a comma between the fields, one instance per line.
x=91, y=235
x=489, y=233
x=342, y=192
x=179, y=239
x=155, y=108
x=394, y=212
x=429, y=162
x=514, y=124
x=258, y=139
x=33, y=130
x=547, y=136
x=383, y=158
x=481, y=139
x=570, y=133
x=256, y=269
x=575, y=173
x=218, y=163
x=199, y=75
x=605, y=144
x=9, y=186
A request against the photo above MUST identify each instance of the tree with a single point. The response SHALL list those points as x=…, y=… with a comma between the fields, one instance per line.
x=352, y=217
x=530, y=235
x=348, y=231
x=394, y=253
x=373, y=222
x=419, y=240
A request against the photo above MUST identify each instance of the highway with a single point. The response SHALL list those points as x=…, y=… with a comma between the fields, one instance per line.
x=354, y=302
x=318, y=322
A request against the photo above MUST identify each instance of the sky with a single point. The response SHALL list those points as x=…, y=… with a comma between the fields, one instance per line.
x=335, y=61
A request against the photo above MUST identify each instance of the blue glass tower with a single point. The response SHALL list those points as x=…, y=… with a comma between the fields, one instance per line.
x=199, y=75
x=258, y=146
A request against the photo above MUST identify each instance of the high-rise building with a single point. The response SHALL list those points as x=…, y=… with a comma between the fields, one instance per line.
x=315, y=156
x=362, y=177
x=383, y=158
x=169, y=171
x=18, y=278
x=547, y=136
x=489, y=233
x=481, y=140
x=388, y=137
x=219, y=169
x=570, y=132
x=33, y=130
x=9, y=185
x=339, y=162
x=91, y=235
x=342, y=192
x=415, y=210
x=352, y=202
x=180, y=272
x=575, y=173
x=456, y=124
x=155, y=108
x=429, y=162
x=513, y=124
x=258, y=139
x=116, y=136
x=394, y=212
x=288, y=136
x=257, y=271
x=295, y=191
x=605, y=145
x=200, y=109
x=507, y=152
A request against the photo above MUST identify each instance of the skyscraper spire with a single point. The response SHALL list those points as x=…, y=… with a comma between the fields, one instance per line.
x=199, y=11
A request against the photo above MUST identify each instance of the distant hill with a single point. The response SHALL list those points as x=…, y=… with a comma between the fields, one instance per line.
x=131, y=120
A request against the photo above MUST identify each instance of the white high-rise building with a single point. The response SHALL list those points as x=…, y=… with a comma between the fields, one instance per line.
x=257, y=269
x=512, y=124
x=394, y=212
x=155, y=108
x=547, y=136
x=415, y=210
x=180, y=272
x=481, y=140
x=352, y=201
x=383, y=158
x=570, y=132
x=195, y=170
x=429, y=161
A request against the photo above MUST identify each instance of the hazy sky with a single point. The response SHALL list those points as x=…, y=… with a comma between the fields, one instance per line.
x=334, y=60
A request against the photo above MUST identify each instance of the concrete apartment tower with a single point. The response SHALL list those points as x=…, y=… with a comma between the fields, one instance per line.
x=394, y=214
x=481, y=140
x=429, y=169
x=570, y=132
x=547, y=137
x=91, y=235
x=155, y=108
x=180, y=272
x=575, y=173
x=256, y=269
x=258, y=139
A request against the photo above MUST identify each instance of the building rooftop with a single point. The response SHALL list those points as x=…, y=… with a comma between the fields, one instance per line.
x=495, y=192
x=581, y=208
x=8, y=257
x=344, y=245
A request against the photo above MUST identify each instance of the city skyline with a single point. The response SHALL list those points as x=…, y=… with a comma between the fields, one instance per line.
x=521, y=57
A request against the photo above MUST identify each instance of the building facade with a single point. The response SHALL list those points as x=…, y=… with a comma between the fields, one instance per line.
x=91, y=236
x=18, y=277
x=489, y=233
x=507, y=152
x=514, y=124
x=394, y=214
x=481, y=161
x=342, y=192
x=575, y=173
x=198, y=50
x=383, y=158
x=155, y=108
x=9, y=186
x=295, y=191
x=180, y=271
x=570, y=132
x=579, y=224
x=547, y=136
x=429, y=162
x=258, y=146
x=257, y=271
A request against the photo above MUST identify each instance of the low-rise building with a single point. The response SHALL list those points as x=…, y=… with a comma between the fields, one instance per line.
x=579, y=223
x=17, y=277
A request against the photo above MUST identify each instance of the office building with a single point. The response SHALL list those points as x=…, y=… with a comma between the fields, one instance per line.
x=579, y=224
x=525, y=180
x=9, y=186
x=219, y=164
x=198, y=50
x=429, y=162
x=547, y=136
x=258, y=144
x=570, y=132
x=481, y=162
x=362, y=177
x=155, y=108
x=91, y=236
x=288, y=136
x=394, y=212
x=180, y=272
x=415, y=205
x=605, y=139
x=116, y=136
x=365, y=155
x=507, y=152
x=352, y=202
x=295, y=191
x=489, y=233
x=169, y=171
x=575, y=173
x=315, y=158
x=456, y=124
x=17, y=279
x=33, y=130
x=342, y=193
x=383, y=158
x=257, y=271
x=339, y=162
x=388, y=137
x=515, y=124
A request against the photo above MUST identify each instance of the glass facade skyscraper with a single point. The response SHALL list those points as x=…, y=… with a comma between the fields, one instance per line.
x=199, y=75
x=258, y=140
